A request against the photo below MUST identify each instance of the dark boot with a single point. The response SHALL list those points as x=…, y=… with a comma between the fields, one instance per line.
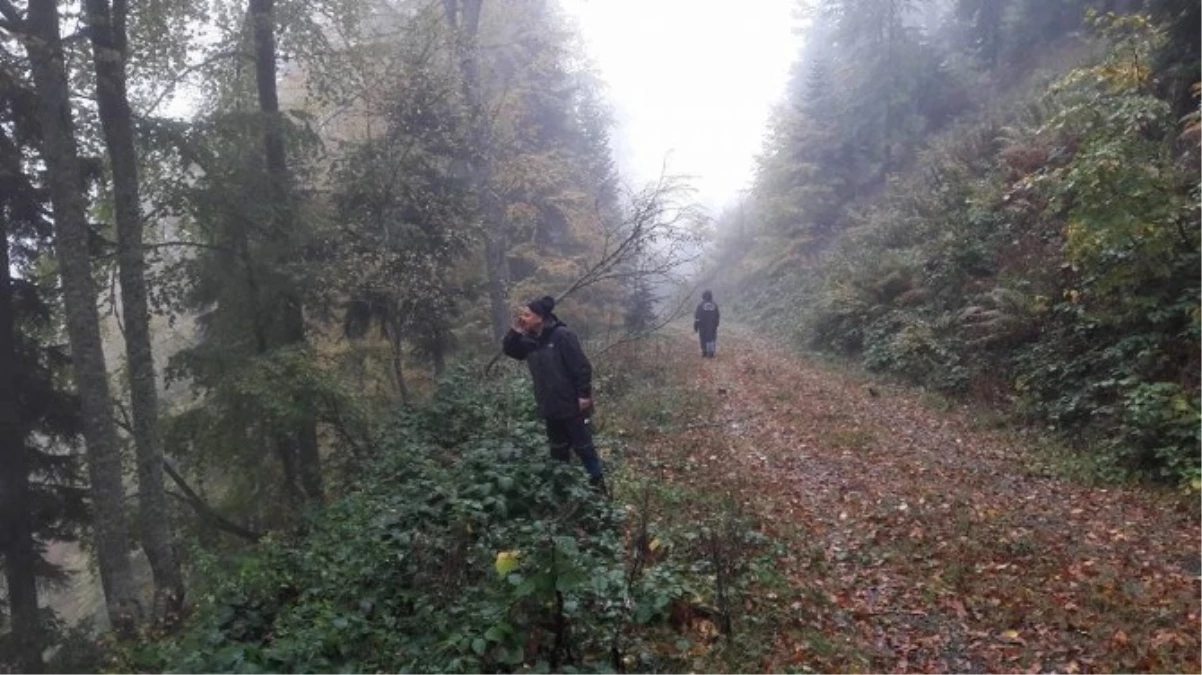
x=598, y=484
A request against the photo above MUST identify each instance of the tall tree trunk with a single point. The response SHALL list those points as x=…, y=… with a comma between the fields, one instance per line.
x=496, y=247
x=890, y=20
x=396, y=342
x=45, y=48
x=262, y=14
x=463, y=16
x=107, y=30
x=286, y=452
x=439, y=354
x=991, y=22
x=16, y=522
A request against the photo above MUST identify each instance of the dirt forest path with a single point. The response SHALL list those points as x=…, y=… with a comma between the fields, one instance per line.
x=920, y=543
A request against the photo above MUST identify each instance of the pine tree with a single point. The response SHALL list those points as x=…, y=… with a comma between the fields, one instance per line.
x=59, y=150
x=16, y=518
x=640, y=313
x=405, y=222
x=986, y=27
x=1178, y=59
x=41, y=494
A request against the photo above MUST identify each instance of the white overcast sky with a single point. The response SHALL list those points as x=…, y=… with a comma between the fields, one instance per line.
x=693, y=80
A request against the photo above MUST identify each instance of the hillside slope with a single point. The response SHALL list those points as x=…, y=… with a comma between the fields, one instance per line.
x=1041, y=255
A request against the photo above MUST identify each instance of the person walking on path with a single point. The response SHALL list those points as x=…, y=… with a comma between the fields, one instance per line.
x=705, y=324
x=562, y=377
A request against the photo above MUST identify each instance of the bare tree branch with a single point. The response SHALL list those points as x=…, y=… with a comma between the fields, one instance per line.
x=203, y=509
x=170, y=244
x=675, y=314
x=12, y=15
x=190, y=496
x=655, y=238
x=185, y=73
x=186, y=244
x=656, y=216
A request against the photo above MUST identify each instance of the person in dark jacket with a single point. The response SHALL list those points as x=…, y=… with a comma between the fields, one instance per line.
x=562, y=378
x=705, y=324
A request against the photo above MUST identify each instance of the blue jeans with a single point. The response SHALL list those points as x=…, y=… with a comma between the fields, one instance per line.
x=570, y=434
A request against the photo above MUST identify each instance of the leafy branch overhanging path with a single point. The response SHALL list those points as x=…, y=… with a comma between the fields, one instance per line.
x=925, y=544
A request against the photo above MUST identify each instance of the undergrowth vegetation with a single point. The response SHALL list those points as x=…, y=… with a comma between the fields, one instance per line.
x=459, y=547
x=1042, y=258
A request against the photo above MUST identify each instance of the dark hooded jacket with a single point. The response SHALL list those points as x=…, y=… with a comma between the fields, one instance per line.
x=706, y=319
x=561, y=372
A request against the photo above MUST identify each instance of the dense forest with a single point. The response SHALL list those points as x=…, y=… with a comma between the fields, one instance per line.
x=230, y=301
x=258, y=258
x=998, y=200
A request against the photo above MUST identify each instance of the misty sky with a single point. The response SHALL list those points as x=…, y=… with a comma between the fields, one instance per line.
x=694, y=78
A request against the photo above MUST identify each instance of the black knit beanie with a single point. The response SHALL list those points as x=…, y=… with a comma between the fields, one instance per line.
x=543, y=307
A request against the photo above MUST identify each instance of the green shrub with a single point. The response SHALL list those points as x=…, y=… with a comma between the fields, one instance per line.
x=905, y=345
x=1160, y=428
x=461, y=549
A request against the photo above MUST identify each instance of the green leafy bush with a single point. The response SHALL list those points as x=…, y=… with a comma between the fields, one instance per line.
x=461, y=549
x=903, y=344
x=1160, y=427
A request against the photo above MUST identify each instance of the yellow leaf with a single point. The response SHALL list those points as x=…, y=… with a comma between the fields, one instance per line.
x=655, y=544
x=1181, y=404
x=1010, y=634
x=507, y=561
x=1196, y=484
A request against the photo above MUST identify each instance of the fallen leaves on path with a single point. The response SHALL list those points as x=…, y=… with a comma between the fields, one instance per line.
x=923, y=544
